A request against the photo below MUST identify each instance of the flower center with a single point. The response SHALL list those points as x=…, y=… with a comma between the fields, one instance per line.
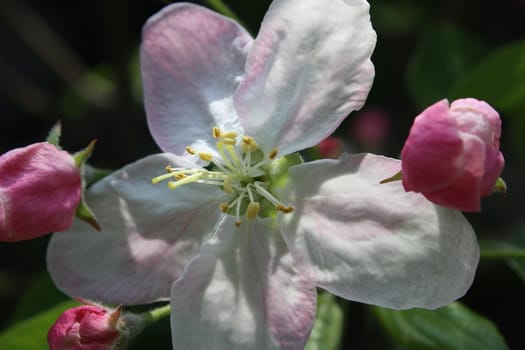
x=245, y=174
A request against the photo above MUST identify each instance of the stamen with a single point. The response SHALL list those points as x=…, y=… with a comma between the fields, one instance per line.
x=249, y=144
x=224, y=207
x=160, y=178
x=229, y=141
x=284, y=209
x=252, y=210
x=216, y=132
x=225, y=159
x=267, y=195
x=229, y=135
x=205, y=156
x=238, y=209
x=227, y=186
x=192, y=178
x=247, y=184
x=233, y=155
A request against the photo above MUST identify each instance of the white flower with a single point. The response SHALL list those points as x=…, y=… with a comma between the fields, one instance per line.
x=240, y=245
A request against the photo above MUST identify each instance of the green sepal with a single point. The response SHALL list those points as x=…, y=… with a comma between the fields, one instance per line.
x=92, y=174
x=83, y=211
x=396, y=177
x=54, y=135
x=82, y=156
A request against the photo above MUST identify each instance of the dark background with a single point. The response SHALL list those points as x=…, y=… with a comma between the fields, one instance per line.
x=76, y=61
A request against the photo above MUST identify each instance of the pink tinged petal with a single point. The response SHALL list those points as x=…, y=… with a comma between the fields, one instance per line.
x=433, y=143
x=191, y=60
x=242, y=292
x=479, y=118
x=40, y=188
x=148, y=235
x=375, y=243
x=464, y=191
x=309, y=67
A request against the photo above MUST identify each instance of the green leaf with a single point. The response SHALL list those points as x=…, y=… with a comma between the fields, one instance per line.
x=41, y=295
x=518, y=265
x=32, y=332
x=440, y=60
x=451, y=327
x=500, y=250
x=499, y=79
x=328, y=325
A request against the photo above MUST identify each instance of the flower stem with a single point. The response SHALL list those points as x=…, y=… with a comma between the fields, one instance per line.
x=154, y=315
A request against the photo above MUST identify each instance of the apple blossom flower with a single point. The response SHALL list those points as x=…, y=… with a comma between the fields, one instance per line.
x=452, y=154
x=248, y=232
x=86, y=327
x=40, y=189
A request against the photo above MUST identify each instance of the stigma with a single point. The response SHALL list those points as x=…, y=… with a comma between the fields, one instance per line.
x=241, y=169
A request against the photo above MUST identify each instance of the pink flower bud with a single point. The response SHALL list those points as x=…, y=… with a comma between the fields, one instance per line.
x=331, y=147
x=371, y=126
x=40, y=188
x=452, y=153
x=86, y=327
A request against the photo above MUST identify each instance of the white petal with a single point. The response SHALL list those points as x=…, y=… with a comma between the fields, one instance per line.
x=191, y=60
x=375, y=243
x=242, y=292
x=308, y=68
x=149, y=232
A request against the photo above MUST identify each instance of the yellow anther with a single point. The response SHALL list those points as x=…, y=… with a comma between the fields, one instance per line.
x=253, y=146
x=249, y=144
x=228, y=185
x=224, y=207
x=229, y=135
x=180, y=176
x=284, y=209
x=172, y=185
x=168, y=168
x=190, y=150
x=287, y=210
x=252, y=210
x=205, y=156
x=160, y=178
x=247, y=139
x=273, y=153
x=238, y=223
x=229, y=140
x=216, y=132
